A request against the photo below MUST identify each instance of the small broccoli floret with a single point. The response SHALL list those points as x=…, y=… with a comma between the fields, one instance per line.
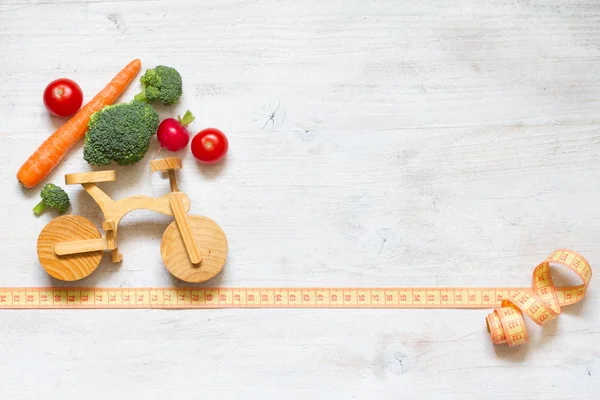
x=161, y=84
x=52, y=197
x=120, y=133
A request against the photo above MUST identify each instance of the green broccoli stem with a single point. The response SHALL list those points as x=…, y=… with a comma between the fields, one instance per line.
x=140, y=96
x=39, y=208
x=187, y=119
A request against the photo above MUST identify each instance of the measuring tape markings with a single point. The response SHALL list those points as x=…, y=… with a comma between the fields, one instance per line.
x=541, y=303
x=39, y=298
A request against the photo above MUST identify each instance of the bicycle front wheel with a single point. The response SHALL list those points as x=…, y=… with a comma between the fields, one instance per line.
x=211, y=242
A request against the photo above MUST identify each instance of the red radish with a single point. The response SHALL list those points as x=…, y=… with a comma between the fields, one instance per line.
x=173, y=134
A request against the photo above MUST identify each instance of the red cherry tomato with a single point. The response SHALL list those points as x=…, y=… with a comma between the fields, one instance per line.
x=63, y=97
x=209, y=146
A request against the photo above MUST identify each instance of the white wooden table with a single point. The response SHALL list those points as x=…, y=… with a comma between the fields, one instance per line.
x=379, y=143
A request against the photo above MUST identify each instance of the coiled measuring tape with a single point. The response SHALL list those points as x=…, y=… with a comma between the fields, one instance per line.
x=506, y=324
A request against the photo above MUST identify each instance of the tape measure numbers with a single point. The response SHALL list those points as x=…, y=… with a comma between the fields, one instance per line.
x=541, y=303
x=253, y=297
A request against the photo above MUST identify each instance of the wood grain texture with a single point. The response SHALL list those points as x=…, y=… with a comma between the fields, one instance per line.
x=115, y=256
x=169, y=164
x=185, y=231
x=90, y=177
x=165, y=164
x=81, y=246
x=115, y=210
x=210, y=241
x=372, y=143
x=109, y=225
x=70, y=228
x=172, y=181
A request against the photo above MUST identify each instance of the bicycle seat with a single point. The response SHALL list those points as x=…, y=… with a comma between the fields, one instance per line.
x=165, y=164
x=91, y=177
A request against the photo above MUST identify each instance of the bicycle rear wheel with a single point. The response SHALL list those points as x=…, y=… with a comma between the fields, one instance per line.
x=211, y=241
x=65, y=229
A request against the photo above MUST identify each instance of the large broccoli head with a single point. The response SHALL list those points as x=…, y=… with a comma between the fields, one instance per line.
x=120, y=133
x=161, y=84
x=52, y=197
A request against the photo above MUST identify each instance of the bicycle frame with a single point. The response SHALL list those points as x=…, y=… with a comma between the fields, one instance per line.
x=114, y=211
x=70, y=247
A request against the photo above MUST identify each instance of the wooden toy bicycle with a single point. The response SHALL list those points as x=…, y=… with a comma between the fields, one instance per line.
x=193, y=248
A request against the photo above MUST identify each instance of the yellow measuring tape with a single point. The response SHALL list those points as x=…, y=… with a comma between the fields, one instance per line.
x=541, y=302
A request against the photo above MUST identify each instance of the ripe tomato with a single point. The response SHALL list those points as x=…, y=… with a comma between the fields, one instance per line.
x=209, y=146
x=63, y=97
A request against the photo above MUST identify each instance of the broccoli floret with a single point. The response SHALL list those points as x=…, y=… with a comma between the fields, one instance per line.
x=52, y=197
x=120, y=133
x=161, y=84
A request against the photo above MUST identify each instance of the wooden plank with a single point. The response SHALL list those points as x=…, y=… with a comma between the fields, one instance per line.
x=165, y=164
x=90, y=177
x=184, y=228
x=414, y=144
x=80, y=246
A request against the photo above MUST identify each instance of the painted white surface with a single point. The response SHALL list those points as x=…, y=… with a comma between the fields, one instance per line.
x=414, y=143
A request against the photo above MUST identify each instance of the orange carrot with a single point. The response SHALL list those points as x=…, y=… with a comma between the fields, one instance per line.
x=52, y=151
